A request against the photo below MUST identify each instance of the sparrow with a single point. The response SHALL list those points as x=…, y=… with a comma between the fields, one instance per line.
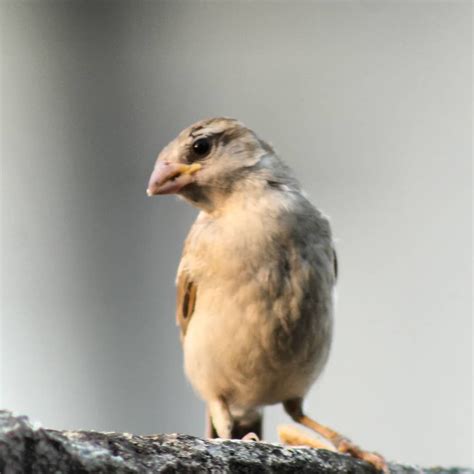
x=255, y=285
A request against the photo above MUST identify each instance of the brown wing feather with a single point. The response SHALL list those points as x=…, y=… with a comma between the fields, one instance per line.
x=186, y=302
x=336, y=265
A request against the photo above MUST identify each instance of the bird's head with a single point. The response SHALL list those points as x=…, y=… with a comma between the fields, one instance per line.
x=207, y=161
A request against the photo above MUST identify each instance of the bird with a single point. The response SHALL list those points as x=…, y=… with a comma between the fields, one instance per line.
x=256, y=280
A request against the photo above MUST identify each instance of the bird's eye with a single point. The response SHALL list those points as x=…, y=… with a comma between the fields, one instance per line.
x=201, y=147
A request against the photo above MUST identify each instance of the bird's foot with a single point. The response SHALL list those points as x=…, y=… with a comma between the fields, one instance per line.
x=342, y=444
x=294, y=437
x=251, y=437
x=346, y=446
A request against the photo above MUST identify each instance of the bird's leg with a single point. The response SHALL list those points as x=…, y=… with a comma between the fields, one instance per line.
x=211, y=432
x=220, y=418
x=294, y=408
x=221, y=424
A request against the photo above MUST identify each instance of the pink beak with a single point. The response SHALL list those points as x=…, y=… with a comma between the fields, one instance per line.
x=170, y=177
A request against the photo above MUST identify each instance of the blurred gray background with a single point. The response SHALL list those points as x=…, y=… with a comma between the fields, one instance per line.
x=370, y=103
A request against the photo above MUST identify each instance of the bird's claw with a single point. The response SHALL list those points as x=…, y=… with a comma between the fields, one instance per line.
x=251, y=437
x=346, y=446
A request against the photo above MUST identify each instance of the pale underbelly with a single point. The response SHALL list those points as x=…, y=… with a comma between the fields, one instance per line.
x=237, y=355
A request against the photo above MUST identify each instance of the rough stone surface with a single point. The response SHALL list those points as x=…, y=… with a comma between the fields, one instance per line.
x=26, y=448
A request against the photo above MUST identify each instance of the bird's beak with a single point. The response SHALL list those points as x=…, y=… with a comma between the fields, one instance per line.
x=169, y=177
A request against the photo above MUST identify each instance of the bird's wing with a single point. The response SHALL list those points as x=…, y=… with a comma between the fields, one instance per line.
x=336, y=269
x=185, y=302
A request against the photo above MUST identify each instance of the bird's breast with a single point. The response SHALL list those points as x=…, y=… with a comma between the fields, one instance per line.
x=262, y=323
